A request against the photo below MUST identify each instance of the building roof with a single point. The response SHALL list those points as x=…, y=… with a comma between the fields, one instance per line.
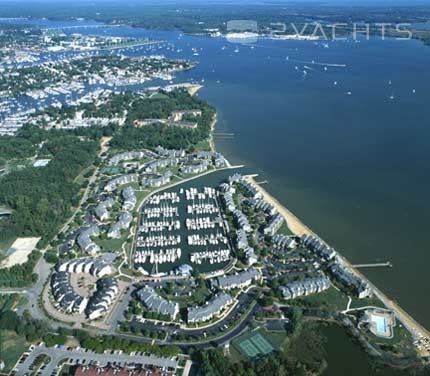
x=156, y=303
x=233, y=280
x=210, y=308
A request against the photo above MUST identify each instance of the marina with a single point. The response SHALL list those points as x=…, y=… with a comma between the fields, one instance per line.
x=194, y=236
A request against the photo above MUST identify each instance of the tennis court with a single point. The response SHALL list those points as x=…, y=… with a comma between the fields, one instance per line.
x=254, y=344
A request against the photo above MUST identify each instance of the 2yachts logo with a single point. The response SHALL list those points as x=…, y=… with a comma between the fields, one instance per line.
x=247, y=31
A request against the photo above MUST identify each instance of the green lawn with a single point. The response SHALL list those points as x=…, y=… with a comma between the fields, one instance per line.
x=357, y=303
x=110, y=244
x=12, y=346
x=400, y=344
x=203, y=145
x=278, y=339
x=284, y=230
x=329, y=300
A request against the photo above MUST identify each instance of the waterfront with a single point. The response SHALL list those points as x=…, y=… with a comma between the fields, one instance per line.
x=352, y=168
x=358, y=181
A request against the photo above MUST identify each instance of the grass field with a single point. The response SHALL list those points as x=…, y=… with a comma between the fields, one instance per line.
x=111, y=244
x=328, y=300
x=284, y=230
x=253, y=345
x=11, y=348
x=373, y=301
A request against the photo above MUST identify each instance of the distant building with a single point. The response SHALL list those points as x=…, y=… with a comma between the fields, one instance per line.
x=347, y=278
x=283, y=242
x=318, y=246
x=273, y=225
x=65, y=295
x=242, y=220
x=123, y=223
x=305, y=287
x=130, y=155
x=156, y=303
x=196, y=167
x=69, y=300
x=155, y=165
x=139, y=370
x=261, y=204
x=179, y=115
x=129, y=199
x=96, y=268
x=228, y=201
x=112, y=184
x=211, y=308
x=105, y=294
x=101, y=209
x=239, y=280
x=155, y=180
x=84, y=240
x=172, y=153
x=41, y=162
x=250, y=188
x=242, y=243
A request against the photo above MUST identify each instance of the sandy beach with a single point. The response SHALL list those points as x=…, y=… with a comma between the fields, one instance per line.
x=194, y=89
x=295, y=225
x=211, y=137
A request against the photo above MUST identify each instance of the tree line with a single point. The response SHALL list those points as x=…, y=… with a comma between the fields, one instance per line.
x=41, y=198
x=37, y=330
x=20, y=275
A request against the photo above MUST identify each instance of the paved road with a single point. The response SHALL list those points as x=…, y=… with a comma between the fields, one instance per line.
x=32, y=293
x=84, y=357
x=198, y=338
x=43, y=269
x=117, y=314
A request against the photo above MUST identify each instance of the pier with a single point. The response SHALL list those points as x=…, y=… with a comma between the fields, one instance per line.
x=387, y=264
x=223, y=135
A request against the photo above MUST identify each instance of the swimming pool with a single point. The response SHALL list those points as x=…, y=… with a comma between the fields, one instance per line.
x=381, y=326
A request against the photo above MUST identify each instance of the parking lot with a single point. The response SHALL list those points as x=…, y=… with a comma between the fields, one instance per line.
x=60, y=355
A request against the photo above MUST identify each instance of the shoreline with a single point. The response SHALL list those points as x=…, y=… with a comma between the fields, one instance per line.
x=296, y=226
x=299, y=228
x=192, y=90
x=211, y=137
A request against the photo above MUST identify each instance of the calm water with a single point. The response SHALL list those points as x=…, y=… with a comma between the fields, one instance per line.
x=353, y=167
x=346, y=357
